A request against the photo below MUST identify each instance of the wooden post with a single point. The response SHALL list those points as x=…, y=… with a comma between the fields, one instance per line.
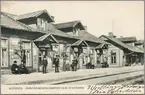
x=8, y=53
x=131, y=60
x=32, y=54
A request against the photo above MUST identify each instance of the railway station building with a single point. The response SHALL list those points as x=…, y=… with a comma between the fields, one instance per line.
x=35, y=34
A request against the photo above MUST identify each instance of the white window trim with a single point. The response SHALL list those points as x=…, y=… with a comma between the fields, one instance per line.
x=6, y=55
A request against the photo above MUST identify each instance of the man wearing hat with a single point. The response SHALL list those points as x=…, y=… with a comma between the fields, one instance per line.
x=45, y=63
x=56, y=63
x=75, y=63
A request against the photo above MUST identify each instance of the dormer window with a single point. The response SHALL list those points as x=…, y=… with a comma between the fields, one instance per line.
x=41, y=23
x=73, y=27
x=77, y=32
x=37, y=19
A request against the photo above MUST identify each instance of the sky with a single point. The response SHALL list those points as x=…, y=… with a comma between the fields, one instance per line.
x=123, y=18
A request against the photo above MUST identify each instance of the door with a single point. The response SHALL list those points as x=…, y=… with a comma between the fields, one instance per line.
x=4, y=57
x=113, y=59
x=27, y=55
x=41, y=54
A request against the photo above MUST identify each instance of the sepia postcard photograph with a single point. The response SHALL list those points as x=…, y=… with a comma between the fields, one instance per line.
x=72, y=47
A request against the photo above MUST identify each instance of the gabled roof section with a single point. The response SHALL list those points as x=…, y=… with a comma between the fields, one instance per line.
x=77, y=43
x=9, y=22
x=89, y=37
x=131, y=48
x=42, y=38
x=69, y=24
x=101, y=46
x=34, y=14
x=10, y=15
x=57, y=32
x=127, y=39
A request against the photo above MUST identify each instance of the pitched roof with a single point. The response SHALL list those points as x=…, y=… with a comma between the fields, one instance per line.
x=44, y=37
x=131, y=48
x=126, y=39
x=57, y=32
x=77, y=43
x=100, y=46
x=9, y=22
x=89, y=37
x=68, y=24
x=10, y=15
x=33, y=14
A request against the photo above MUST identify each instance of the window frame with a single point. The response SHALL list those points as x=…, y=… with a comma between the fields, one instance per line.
x=113, y=58
x=5, y=66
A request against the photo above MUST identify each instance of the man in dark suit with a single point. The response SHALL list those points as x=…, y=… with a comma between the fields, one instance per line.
x=56, y=63
x=75, y=63
x=44, y=64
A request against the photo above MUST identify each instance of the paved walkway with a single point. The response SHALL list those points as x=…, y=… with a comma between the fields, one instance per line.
x=39, y=78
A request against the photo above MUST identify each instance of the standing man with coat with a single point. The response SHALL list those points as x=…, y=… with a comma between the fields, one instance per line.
x=56, y=63
x=45, y=63
x=75, y=63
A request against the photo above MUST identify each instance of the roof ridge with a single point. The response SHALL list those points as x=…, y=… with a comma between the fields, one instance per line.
x=32, y=12
x=8, y=13
x=128, y=37
x=124, y=45
x=67, y=22
x=26, y=26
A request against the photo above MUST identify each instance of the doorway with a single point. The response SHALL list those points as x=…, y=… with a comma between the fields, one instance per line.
x=41, y=54
x=113, y=58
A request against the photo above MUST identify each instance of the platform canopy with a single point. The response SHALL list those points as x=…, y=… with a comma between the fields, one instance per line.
x=80, y=43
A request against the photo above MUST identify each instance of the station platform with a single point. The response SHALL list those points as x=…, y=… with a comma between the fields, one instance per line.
x=52, y=77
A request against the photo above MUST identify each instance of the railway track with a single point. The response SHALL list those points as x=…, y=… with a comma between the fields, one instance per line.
x=117, y=78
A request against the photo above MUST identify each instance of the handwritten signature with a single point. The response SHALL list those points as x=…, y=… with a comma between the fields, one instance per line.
x=114, y=89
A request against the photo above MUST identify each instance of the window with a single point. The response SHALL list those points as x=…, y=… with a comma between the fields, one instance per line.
x=41, y=23
x=85, y=50
x=28, y=57
x=4, y=53
x=26, y=45
x=55, y=48
x=113, y=58
x=3, y=43
x=75, y=49
x=4, y=57
x=76, y=33
x=14, y=43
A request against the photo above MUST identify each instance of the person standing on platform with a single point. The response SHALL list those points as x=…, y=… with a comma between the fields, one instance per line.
x=75, y=63
x=56, y=63
x=45, y=63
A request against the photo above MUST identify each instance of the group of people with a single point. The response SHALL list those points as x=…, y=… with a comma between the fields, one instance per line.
x=56, y=63
x=19, y=69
